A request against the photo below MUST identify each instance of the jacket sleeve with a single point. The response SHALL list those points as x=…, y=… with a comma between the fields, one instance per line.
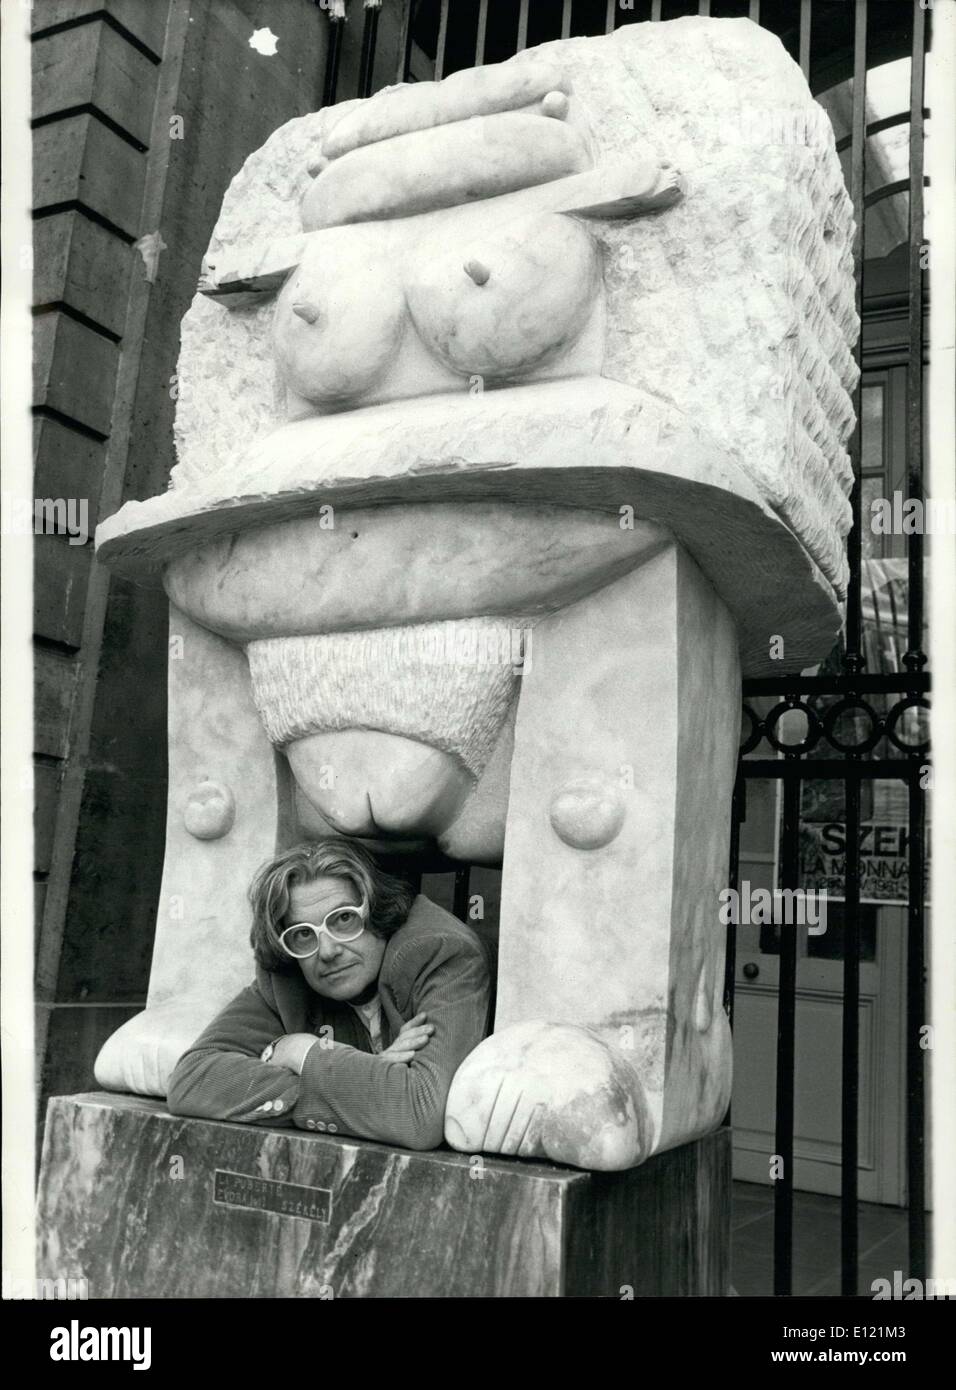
x=221, y=1077
x=351, y=1092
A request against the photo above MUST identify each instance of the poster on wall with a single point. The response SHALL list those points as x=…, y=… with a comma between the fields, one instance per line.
x=884, y=802
x=884, y=842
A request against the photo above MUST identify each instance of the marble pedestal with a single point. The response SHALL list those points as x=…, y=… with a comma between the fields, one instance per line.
x=143, y=1204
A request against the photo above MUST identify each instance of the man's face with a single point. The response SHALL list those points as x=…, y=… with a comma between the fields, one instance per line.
x=339, y=969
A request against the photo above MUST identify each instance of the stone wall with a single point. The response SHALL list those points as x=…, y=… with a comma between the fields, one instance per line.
x=110, y=77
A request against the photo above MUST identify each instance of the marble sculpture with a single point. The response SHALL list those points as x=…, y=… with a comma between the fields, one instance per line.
x=511, y=429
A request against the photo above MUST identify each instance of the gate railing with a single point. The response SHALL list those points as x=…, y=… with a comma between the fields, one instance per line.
x=459, y=33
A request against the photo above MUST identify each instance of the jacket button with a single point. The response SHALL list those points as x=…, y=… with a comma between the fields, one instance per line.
x=267, y=1105
x=320, y=1124
x=333, y=1129
x=310, y=1124
x=279, y=1105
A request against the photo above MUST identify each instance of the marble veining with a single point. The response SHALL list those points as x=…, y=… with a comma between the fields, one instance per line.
x=126, y=1201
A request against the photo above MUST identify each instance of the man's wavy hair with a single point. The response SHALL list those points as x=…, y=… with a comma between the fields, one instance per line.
x=389, y=899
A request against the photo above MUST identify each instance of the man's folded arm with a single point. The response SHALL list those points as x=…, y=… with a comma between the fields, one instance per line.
x=221, y=1077
x=351, y=1092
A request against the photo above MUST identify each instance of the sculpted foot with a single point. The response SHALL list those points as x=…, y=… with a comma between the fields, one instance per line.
x=550, y=1090
x=140, y=1056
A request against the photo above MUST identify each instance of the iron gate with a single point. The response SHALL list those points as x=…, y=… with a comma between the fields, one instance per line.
x=859, y=724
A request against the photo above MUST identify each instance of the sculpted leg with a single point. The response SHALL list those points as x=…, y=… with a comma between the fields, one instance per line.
x=611, y=1041
x=225, y=802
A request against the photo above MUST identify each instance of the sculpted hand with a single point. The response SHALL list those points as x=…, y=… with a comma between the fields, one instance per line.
x=412, y=1036
x=290, y=1051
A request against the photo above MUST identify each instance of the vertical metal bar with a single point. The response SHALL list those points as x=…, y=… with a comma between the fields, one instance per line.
x=482, y=31
x=703, y=7
x=786, y=1037
x=522, y=26
x=611, y=13
x=462, y=885
x=850, y=1066
x=805, y=38
x=332, y=58
x=915, y=1018
x=738, y=813
x=405, y=43
x=854, y=659
x=369, y=35
x=442, y=40
x=914, y=658
x=655, y=9
x=754, y=12
x=566, y=19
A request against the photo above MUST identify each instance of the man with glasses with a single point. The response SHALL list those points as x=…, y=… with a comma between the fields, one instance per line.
x=366, y=1001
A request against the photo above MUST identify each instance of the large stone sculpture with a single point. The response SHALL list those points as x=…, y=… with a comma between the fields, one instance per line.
x=511, y=427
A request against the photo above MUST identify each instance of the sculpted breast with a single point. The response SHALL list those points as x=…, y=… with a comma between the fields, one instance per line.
x=506, y=301
x=328, y=350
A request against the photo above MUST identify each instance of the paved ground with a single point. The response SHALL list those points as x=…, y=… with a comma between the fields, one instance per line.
x=816, y=1242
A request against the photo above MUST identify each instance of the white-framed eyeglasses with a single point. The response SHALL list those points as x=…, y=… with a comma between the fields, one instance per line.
x=301, y=940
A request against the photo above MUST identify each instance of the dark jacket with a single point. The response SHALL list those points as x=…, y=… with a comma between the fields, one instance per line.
x=433, y=964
